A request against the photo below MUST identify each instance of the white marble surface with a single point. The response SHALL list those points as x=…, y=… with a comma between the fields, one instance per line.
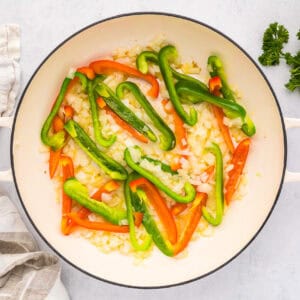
x=270, y=267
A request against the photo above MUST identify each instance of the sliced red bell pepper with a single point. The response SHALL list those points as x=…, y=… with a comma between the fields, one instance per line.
x=238, y=160
x=195, y=214
x=104, y=226
x=87, y=71
x=215, y=84
x=108, y=66
x=68, y=171
x=69, y=111
x=54, y=161
x=159, y=205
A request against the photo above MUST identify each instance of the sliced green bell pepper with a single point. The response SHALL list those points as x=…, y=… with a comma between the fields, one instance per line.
x=128, y=195
x=216, y=69
x=167, y=137
x=164, y=167
x=165, y=55
x=215, y=221
x=78, y=192
x=116, y=105
x=197, y=95
x=57, y=140
x=190, y=191
x=106, y=163
x=100, y=139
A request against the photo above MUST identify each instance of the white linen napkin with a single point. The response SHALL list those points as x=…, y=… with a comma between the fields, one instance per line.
x=25, y=272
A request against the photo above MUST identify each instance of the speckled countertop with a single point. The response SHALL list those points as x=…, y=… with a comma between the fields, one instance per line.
x=270, y=267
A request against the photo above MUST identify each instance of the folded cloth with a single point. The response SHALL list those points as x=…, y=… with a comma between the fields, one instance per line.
x=9, y=67
x=25, y=272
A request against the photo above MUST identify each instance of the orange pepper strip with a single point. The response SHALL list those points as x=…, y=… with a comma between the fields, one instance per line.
x=215, y=84
x=104, y=226
x=195, y=214
x=127, y=127
x=68, y=171
x=238, y=160
x=180, y=133
x=69, y=111
x=160, y=206
x=87, y=71
x=138, y=218
x=108, y=66
x=178, y=208
x=57, y=124
x=54, y=161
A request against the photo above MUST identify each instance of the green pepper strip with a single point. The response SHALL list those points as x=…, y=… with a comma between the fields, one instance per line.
x=140, y=203
x=166, y=54
x=216, y=69
x=144, y=246
x=116, y=105
x=215, y=221
x=167, y=137
x=190, y=191
x=142, y=64
x=57, y=140
x=164, y=167
x=100, y=139
x=198, y=95
x=83, y=80
x=106, y=163
x=78, y=192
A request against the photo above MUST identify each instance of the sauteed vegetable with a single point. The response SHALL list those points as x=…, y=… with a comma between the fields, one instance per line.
x=145, y=151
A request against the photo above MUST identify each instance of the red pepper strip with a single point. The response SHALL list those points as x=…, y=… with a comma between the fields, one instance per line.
x=69, y=112
x=195, y=214
x=127, y=127
x=180, y=133
x=87, y=71
x=215, y=85
x=54, y=161
x=68, y=171
x=159, y=205
x=238, y=160
x=108, y=66
x=57, y=124
x=138, y=218
x=178, y=208
x=104, y=226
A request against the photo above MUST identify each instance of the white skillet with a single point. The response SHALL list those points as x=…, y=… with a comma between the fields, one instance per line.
x=244, y=219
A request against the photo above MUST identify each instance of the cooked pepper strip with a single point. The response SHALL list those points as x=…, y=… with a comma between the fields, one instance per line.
x=100, y=139
x=88, y=72
x=140, y=203
x=188, y=188
x=79, y=193
x=238, y=160
x=57, y=140
x=82, y=78
x=197, y=95
x=195, y=214
x=68, y=172
x=106, y=163
x=130, y=217
x=216, y=69
x=107, y=66
x=215, y=221
x=167, y=137
x=164, y=167
x=145, y=57
x=103, y=226
x=54, y=161
x=178, y=208
x=165, y=55
x=215, y=84
x=159, y=204
x=117, y=106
